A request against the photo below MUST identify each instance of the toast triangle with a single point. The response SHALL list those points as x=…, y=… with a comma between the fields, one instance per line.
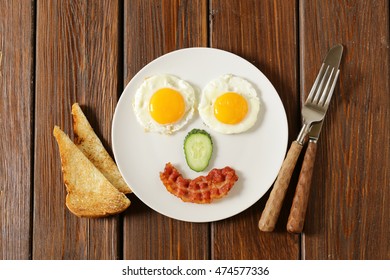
x=89, y=143
x=89, y=193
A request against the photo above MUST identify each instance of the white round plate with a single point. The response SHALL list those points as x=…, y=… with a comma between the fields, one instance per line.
x=256, y=154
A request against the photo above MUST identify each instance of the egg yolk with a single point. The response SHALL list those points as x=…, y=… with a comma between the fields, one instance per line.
x=230, y=108
x=166, y=106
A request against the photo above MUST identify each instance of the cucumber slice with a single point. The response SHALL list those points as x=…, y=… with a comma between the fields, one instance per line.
x=198, y=148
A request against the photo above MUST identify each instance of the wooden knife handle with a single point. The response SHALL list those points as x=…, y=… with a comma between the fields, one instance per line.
x=296, y=219
x=274, y=204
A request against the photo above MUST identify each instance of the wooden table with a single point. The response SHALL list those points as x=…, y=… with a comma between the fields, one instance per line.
x=54, y=53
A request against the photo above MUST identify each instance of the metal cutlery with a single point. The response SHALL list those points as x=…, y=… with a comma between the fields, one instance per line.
x=297, y=215
x=313, y=111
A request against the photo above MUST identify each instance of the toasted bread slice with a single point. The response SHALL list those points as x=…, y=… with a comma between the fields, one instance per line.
x=89, y=193
x=88, y=142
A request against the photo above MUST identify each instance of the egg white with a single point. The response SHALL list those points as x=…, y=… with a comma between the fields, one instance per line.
x=146, y=90
x=219, y=86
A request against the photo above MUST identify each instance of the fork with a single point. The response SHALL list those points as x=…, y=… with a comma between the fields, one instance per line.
x=313, y=111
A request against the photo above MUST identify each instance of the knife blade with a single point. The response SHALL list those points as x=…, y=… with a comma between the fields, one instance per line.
x=315, y=131
x=298, y=210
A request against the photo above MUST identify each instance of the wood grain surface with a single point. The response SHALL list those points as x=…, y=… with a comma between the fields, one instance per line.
x=16, y=123
x=349, y=213
x=54, y=53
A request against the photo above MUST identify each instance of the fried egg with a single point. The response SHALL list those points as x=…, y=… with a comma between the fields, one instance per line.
x=164, y=103
x=229, y=104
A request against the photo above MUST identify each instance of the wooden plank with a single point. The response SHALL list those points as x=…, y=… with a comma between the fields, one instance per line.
x=77, y=61
x=349, y=214
x=16, y=111
x=153, y=28
x=263, y=32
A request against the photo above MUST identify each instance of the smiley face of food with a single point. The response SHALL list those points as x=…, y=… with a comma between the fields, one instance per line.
x=229, y=104
x=164, y=103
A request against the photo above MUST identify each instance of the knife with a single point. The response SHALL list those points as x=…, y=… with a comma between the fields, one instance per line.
x=297, y=215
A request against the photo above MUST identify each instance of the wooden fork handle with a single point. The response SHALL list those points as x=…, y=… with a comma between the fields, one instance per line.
x=296, y=219
x=274, y=204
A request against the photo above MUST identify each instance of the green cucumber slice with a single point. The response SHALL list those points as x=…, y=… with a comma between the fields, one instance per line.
x=198, y=148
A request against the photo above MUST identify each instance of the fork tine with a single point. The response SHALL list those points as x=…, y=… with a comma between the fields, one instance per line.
x=314, y=87
x=331, y=89
x=325, y=90
x=321, y=87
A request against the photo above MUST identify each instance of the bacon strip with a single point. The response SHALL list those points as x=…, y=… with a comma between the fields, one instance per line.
x=203, y=189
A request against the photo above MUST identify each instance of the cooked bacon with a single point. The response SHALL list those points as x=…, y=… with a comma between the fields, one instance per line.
x=203, y=189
